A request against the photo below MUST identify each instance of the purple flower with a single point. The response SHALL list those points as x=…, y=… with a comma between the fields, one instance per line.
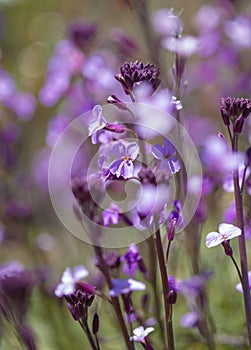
x=140, y=333
x=184, y=46
x=228, y=181
x=190, y=319
x=125, y=154
x=131, y=260
x=125, y=286
x=166, y=154
x=132, y=74
x=96, y=124
x=70, y=278
x=167, y=23
x=226, y=232
x=81, y=32
x=111, y=215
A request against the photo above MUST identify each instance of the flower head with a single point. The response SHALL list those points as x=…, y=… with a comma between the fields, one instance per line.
x=131, y=260
x=70, y=278
x=132, y=74
x=140, y=333
x=235, y=110
x=226, y=232
x=166, y=154
x=125, y=154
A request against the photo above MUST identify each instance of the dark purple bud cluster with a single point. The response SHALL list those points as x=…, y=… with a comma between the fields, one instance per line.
x=235, y=110
x=132, y=74
x=78, y=303
x=81, y=32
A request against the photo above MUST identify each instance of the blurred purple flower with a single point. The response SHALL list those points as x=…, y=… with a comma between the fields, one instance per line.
x=125, y=286
x=23, y=104
x=226, y=232
x=166, y=154
x=131, y=259
x=167, y=23
x=184, y=46
x=70, y=278
x=55, y=127
x=96, y=124
x=111, y=215
x=229, y=215
x=81, y=32
x=16, y=284
x=190, y=319
x=228, y=181
x=125, y=154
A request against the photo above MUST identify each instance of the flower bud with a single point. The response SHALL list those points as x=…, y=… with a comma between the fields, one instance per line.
x=95, y=324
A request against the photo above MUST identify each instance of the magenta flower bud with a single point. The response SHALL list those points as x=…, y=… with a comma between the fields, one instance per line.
x=95, y=324
x=115, y=100
x=73, y=312
x=238, y=125
x=115, y=127
x=227, y=248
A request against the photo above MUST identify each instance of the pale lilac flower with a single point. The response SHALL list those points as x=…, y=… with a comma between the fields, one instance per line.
x=125, y=154
x=140, y=333
x=167, y=23
x=111, y=215
x=125, y=286
x=96, y=124
x=185, y=46
x=69, y=279
x=239, y=286
x=239, y=31
x=166, y=154
x=228, y=181
x=190, y=319
x=226, y=232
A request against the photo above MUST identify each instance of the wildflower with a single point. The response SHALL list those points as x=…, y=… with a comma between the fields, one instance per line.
x=81, y=32
x=111, y=215
x=125, y=286
x=140, y=333
x=125, y=154
x=132, y=74
x=166, y=154
x=97, y=124
x=184, y=46
x=226, y=232
x=70, y=279
x=228, y=181
x=78, y=303
x=131, y=260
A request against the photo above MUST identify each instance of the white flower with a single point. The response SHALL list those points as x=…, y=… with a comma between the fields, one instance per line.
x=69, y=278
x=140, y=333
x=226, y=232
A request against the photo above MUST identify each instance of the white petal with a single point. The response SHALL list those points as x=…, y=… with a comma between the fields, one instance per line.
x=229, y=230
x=67, y=276
x=148, y=330
x=135, y=285
x=79, y=272
x=213, y=239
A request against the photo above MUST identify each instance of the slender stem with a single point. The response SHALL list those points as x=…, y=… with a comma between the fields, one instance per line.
x=168, y=251
x=83, y=323
x=115, y=301
x=164, y=278
x=153, y=278
x=237, y=268
x=242, y=243
x=243, y=180
x=97, y=342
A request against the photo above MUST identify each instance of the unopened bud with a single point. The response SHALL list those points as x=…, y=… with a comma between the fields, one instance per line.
x=172, y=296
x=95, y=324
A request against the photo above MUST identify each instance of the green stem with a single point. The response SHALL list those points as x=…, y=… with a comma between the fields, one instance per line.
x=164, y=279
x=242, y=243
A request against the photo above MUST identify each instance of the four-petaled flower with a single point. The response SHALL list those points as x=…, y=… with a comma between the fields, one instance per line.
x=125, y=286
x=125, y=154
x=96, y=124
x=166, y=154
x=111, y=215
x=70, y=278
x=226, y=232
x=140, y=333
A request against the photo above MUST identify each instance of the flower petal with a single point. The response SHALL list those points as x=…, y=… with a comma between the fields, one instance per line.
x=67, y=276
x=119, y=149
x=79, y=272
x=168, y=148
x=133, y=150
x=157, y=151
x=229, y=230
x=213, y=239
